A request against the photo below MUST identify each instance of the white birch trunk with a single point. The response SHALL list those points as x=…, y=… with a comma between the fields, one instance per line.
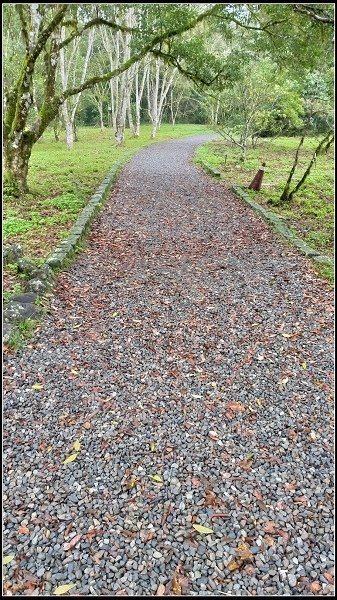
x=157, y=93
x=139, y=95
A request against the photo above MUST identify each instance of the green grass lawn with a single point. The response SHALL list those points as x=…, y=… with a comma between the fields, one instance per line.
x=61, y=182
x=311, y=212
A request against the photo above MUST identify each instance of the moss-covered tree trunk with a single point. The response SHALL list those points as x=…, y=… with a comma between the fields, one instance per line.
x=17, y=154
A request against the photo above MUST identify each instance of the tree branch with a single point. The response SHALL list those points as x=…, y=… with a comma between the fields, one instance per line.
x=94, y=23
x=138, y=57
x=312, y=13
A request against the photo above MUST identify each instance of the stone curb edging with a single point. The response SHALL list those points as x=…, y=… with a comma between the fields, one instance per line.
x=21, y=307
x=209, y=168
x=67, y=246
x=282, y=229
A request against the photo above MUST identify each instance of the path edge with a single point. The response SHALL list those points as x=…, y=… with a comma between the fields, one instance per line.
x=67, y=247
x=282, y=229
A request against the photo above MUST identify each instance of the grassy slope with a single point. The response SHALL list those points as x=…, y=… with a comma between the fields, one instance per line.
x=61, y=182
x=311, y=213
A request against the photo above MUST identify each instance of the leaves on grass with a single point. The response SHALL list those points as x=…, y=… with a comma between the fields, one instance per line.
x=77, y=445
x=72, y=543
x=37, y=386
x=63, y=589
x=156, y=478
x=7, y=559
x=70, y=459
x=152, y=446
x=202, y=529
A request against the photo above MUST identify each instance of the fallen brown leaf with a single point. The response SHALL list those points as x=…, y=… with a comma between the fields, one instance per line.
x=72, y=543
x=233, y=565
x=23, y=530
x=210, y=498
x=235, y=407
x=290, y=487
x=243, y=552
x=258, y=495
x=269, y=527
x=269, y=541
x=330, y=578
x=176, y=587
x=196, y=482
x=249, y=570
x=87, y=425
x=283, y=534
x=315, y=587
x=161, y=590
x=246, y=464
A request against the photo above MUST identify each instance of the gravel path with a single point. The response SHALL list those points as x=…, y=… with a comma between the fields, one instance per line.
x=187, y=342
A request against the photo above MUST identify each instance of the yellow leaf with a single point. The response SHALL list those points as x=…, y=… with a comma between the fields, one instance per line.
x=202, y=529
x=74, y=372
x=115, y=314
x=49, y=449
x=7, y=559
x=114, y=422
x=152, y=446
x=304, y=365
x=63, y=589
x=130, y=484
x=233, y=565
x=77, y=445
x=156, y=478
x=37, y=386
x=70, y=459
x=286, y=335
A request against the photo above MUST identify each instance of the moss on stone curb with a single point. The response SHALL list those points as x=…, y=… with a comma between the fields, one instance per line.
x=68, y=246
x=283, y=230
x=209, y=168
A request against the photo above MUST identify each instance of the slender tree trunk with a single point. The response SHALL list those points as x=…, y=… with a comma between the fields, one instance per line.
x=75, y=132
x=285, y=194
x=139, y=91
x=328, y=139
x=100, y=110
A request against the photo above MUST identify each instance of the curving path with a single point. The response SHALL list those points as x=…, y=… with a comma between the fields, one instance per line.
x=187, y=342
